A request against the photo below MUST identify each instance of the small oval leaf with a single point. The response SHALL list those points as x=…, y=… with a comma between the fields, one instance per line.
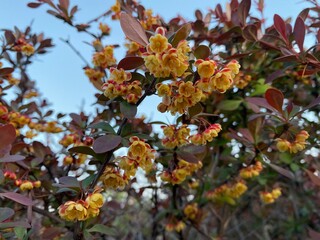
x=106, y=143
x=129, y=63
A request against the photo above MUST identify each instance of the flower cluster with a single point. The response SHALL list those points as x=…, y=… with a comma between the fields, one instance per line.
x=116, y=9
x=175, y=136
x=270, y=197
x=119, y=85
x=242, y=80
x=104, y=28
x=251, y=171
x=207, y=135
x=104, y=58
x=178, y=96
x=228, y=193
x=140, y=154
x=163, y=60
x=299, y=144
x=23, y=46
x=10, y=175
x=26, y=185
x=81, y=210
x=191, y=211
x=133, y=48
x=94, y=75
x=212, y=80
x=182, y=170
x=175, y=225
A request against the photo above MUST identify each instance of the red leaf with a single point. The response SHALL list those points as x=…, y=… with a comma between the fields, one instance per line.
x=10, y=38
x=274, y=75
x=17, y=198
x=313, y=234
x=7, y=135
x=11, y=158
x=6, y=71
x=129, y=63
x=275, y=98
x=261, y=102
x=314, y=179
x=202, y=52
x=299, y=32
x=106, y=143
x=243, y=11
x=198, y=14
x=189, y=157
x=250, y=32
x=282, y=171
x=280, y=26
x=181, y=34
x=133, y=29
x=33, y=5
x=304, y=14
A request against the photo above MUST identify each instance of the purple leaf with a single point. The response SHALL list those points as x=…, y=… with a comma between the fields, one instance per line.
x=11, y=158
x=106, y=143
x=18, y=198
x=280, y=26
x=275, y=98
x=129, y=63
x=133, y=29
x=299, y=32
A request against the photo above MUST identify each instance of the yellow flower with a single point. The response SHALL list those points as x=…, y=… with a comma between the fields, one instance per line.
x=266, y=197
x=74, y=211
x=158, y=43
x=36, y=184
x=95, y=200
x=112, y=178
x=137, y=148
x=234, y=66
x=283, y=145
x=105, y=29
x=26, y=185
x=276, y=193
x=205, y=68
x=186, y=89
x=222, y=80
x=191, y=211
x=27, y=49
x=163, y=90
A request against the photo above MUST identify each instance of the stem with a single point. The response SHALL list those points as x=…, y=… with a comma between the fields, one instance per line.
x=76, y=51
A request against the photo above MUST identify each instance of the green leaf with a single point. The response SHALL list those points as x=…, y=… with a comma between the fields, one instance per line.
x=68, y=182
x=103, y=126
x=64, y=189
x=229, y=105
x=106, y=143
x=128, y=110
x=86, y=182
x=20, y=232
x=5, y=213
x=103, y=229
x=294, y=167
x=82, y=149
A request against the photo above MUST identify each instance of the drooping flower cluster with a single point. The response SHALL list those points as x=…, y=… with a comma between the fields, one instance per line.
x=242, y=80
x=251, y=171
x=270, y=197
x=182, y=170
x=163, y=60
x=140, y=154
x=178, y=96
x=119, y=85
x=23, y=46
x=175, y=225
x=212, y=80
x=228, y=193
x=191, y=211
x=175, y=136
x=104, y=58
x=26, y=185
x=149, y=20
x=207, y=135
x=299, y=144
x=81, y=210
x=94, y=75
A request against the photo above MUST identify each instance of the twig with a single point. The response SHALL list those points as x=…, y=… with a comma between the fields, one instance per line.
x=47, y=214
x=66, y=41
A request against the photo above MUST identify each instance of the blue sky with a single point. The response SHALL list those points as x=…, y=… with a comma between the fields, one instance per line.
x=59, y=74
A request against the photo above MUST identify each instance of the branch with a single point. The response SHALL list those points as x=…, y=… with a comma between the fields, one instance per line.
x=75, y=50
